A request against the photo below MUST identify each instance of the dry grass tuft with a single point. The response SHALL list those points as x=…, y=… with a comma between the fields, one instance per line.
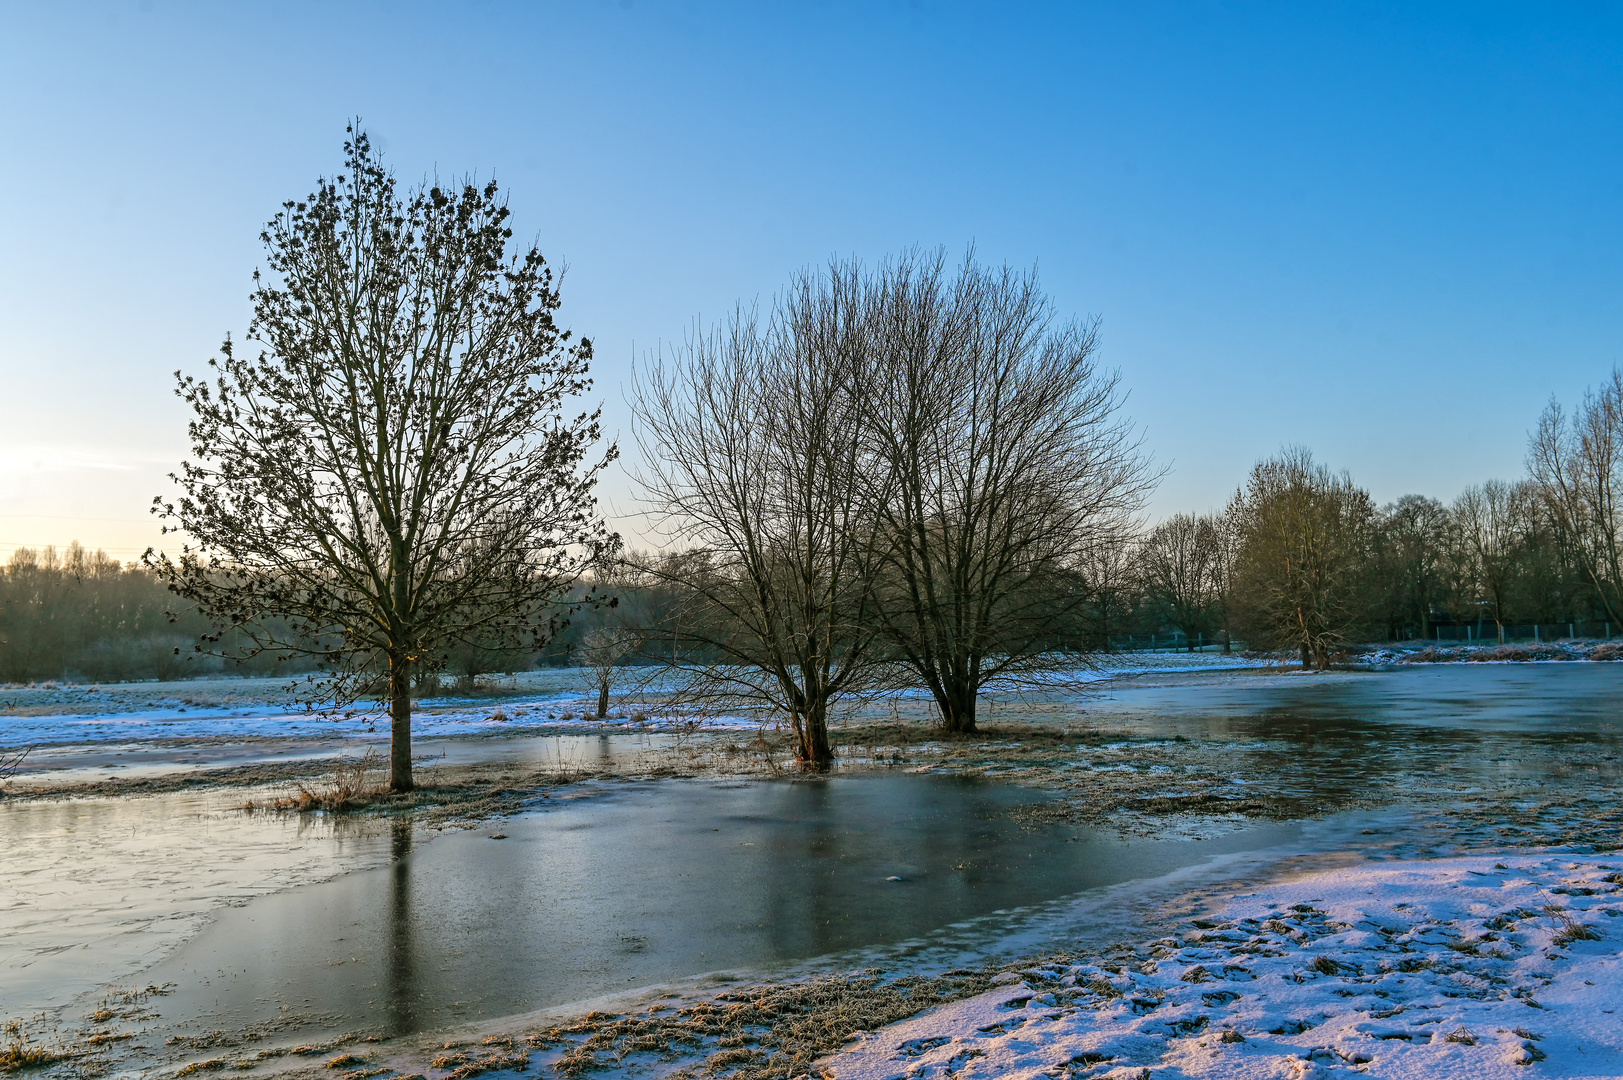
x=352, y=785
x=1569, y=929
x=19, y=1052
x=9, y=764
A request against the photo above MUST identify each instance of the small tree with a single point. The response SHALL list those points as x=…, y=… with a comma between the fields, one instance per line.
x=1225, y=552
x=392, y=473
x=1417, y=560
x=1491, y=532
x=1303, y=539
x=602, y=650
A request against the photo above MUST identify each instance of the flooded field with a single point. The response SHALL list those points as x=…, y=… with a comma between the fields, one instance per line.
x=320, y=924
x=654, y=884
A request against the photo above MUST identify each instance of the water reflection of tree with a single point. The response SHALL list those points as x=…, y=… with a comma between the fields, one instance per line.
x=820, y=870
x=400, y=974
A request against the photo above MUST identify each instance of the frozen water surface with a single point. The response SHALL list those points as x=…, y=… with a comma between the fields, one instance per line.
x=360, y=922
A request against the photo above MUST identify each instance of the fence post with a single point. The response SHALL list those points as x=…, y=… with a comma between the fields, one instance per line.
x=1535, y=634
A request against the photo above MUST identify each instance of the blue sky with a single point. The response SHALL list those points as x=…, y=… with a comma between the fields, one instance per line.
x=1389, y=232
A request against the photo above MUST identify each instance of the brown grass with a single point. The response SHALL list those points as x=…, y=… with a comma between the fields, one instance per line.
x=758, y=1033
x=1569, y=929
x=19, y=1052
x=351, y=786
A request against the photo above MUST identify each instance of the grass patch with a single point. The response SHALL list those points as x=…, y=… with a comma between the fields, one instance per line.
x=20, y=1052
x=1569, y=929
x=771, y=1032
x=350, y=786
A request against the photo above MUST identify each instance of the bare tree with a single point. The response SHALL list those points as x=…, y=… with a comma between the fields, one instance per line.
x=1225, y=553
x=1179, y=564
x=753, y=446
x=1416, y=561
x=1304, y=539
x=393, y=472
x=1006, y=463
x=1577, y=463
x=10, y=762
x=1491, y=530
x=602, y=650
x=1109, y=582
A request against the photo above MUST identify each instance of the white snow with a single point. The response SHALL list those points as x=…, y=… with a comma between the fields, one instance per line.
x=1465, y=967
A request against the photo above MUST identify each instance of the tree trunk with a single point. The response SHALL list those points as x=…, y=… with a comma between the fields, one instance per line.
x=1307, y=659
x=814, y=752
x=603, y=699
x=400, y=724
x=957, y=712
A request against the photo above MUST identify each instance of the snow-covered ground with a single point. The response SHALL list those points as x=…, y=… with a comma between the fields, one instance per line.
x=276, y=721
x=1422, y=652
x=64, y=714
x=1463, y=967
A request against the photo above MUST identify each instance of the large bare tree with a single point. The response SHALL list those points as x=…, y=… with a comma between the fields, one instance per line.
x=752, y=443
x=391, y=471
x=1577, y=463
x=1006, y=463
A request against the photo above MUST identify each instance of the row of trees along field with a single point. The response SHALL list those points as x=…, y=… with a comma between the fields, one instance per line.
x=903, y=476
x=1303, y=559
x=81, y=615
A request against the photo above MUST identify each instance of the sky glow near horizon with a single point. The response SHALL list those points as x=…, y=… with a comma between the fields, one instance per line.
x=1389, y=233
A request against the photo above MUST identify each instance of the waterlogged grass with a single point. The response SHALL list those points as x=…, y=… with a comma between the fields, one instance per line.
x=19, y=1050
x=770, y=1032
x=351, y=786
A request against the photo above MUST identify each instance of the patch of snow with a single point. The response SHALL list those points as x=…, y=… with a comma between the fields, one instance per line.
x=1464, y=967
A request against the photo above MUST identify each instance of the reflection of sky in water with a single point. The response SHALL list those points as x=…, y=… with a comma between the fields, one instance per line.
x=656, y=883
x=96, y=889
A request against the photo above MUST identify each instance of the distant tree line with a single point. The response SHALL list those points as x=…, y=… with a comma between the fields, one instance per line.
x=1302, y=558
x=79, y=614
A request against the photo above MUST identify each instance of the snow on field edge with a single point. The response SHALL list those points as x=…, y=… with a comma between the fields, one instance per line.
x=1467, y=967
x=539, y=712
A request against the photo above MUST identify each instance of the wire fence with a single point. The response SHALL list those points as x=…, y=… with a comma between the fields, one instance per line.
x=1484, y=633
x=1490, y=633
